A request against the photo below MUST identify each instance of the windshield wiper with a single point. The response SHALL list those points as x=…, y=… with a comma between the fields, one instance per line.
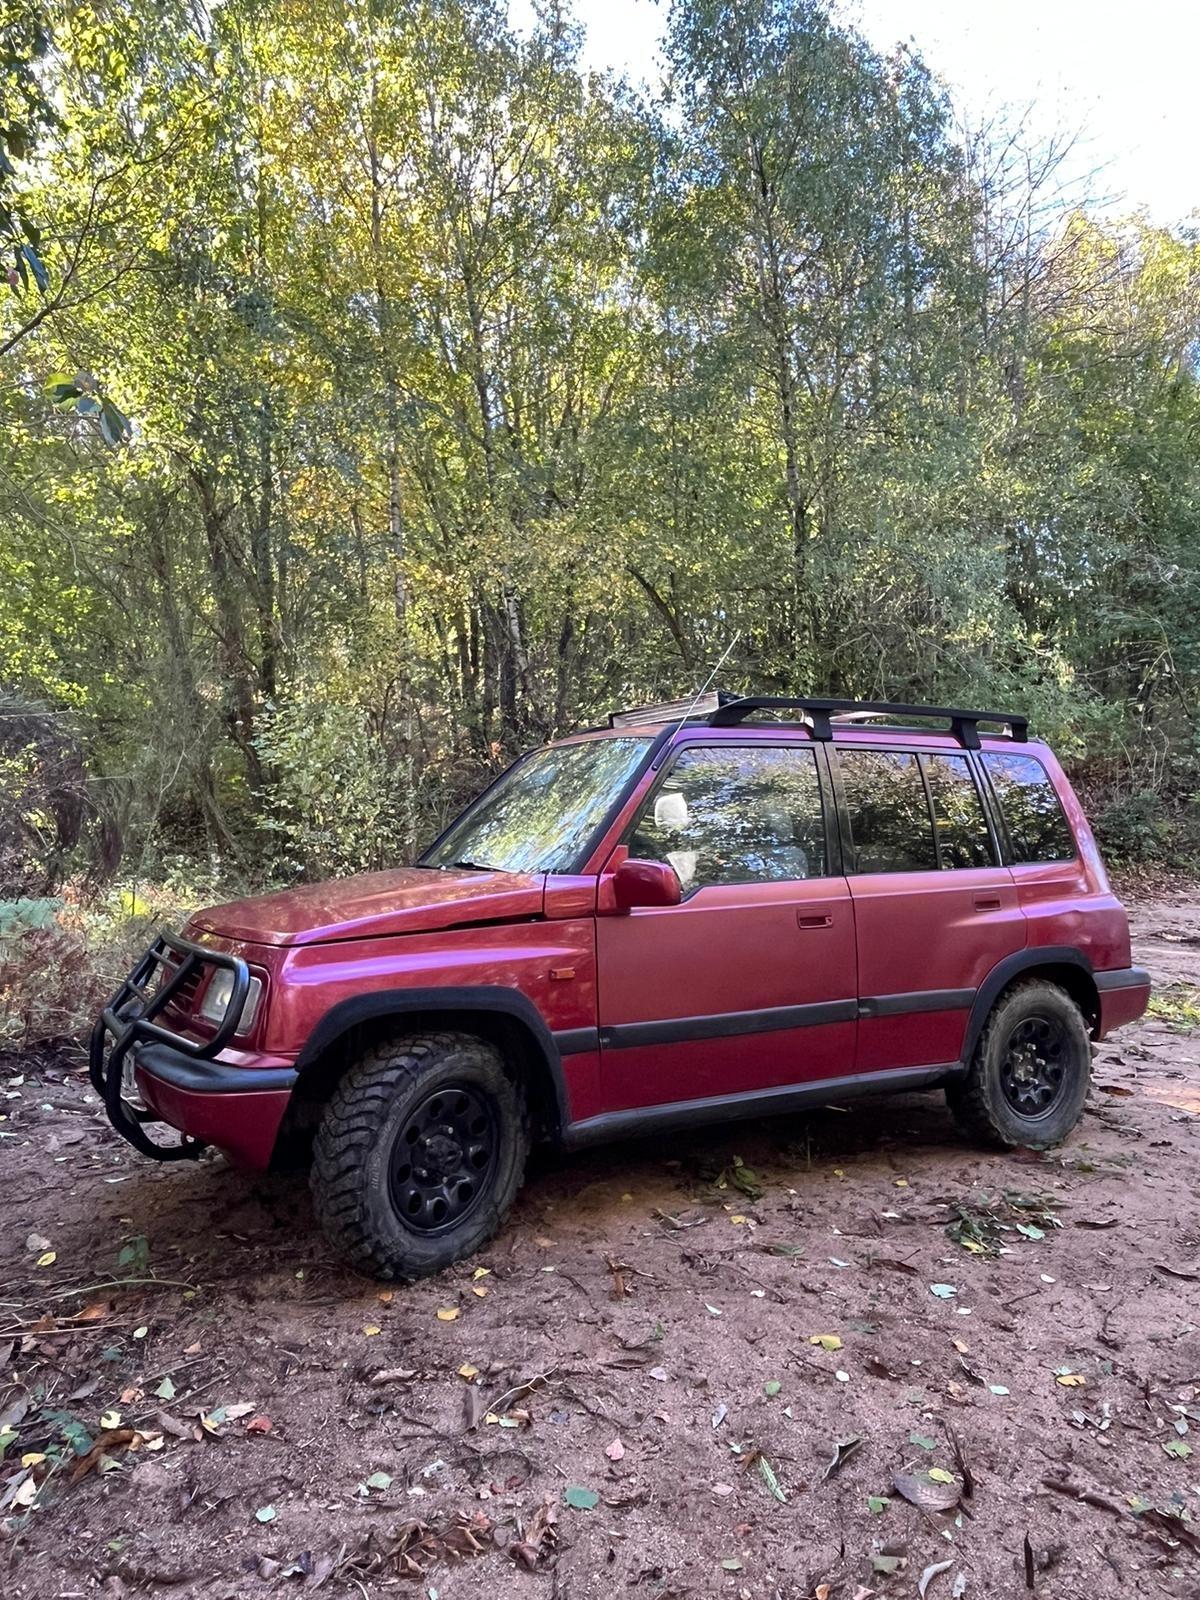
x=471, y=866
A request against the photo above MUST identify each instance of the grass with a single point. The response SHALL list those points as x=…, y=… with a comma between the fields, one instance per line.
x=1178, y=1005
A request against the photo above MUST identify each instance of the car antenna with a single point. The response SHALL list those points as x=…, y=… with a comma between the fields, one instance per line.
x=706, y=685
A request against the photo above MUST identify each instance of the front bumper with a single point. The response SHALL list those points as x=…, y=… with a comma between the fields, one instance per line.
x=1124, y=995
x=183, y=1081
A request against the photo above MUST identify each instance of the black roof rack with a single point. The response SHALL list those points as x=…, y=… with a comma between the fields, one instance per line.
x=964, y=725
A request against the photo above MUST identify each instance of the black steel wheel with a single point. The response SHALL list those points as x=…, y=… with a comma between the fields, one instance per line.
x=1035, y=1066
x=1028, y=1077
x=443, y=1158
x=419, y=1154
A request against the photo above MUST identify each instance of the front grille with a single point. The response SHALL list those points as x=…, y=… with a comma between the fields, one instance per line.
x=183, y=1001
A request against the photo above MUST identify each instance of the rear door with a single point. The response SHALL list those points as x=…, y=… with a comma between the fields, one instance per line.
x=749, y=983
x=934, y=909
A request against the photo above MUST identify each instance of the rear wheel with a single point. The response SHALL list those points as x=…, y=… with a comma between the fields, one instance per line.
x=1029, y=1075
x=419, y=1154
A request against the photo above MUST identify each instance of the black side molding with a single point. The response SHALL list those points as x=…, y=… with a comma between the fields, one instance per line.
x=727, y=1024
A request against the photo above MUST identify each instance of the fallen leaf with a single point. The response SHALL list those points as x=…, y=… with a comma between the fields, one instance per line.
x=259, y=1425
x=944, y=1291
x=771, y=1481
x=940, y=1475
x=877, y=1503
x=930, y=1574
x=925, y=1493
x=468, y=1372
x=372, y=1328
x=1177, y=1447
x=1189, y=1273
x=47, y=1258
x=922, y=1441
x=378, y=1480
x=479, y=1289
x=658, y=1374
x=843, y=1449
x=482, y=1272
x=730, y=1564
x=719, y=1415
x=1070, y=1380
x=36, y=1242
x=265, y=1514
x=887, y=1564
x=615, y=1451
x=771, y=1388
x=110, y=1420
x=165, y=1390
x=394, y=1375
x=446, y=1314
x=827, y=1341
x=580, y=1498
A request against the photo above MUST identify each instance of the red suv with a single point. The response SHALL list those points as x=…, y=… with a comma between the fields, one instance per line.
x=697, y=913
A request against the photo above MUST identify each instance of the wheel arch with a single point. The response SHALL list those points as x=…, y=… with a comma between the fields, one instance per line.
x=1069, y=968
x=502, y=1017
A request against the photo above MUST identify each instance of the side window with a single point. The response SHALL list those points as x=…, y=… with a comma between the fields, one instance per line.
x=962, y=834
x=890, y=826
x=736, y=814
x=1037, y=828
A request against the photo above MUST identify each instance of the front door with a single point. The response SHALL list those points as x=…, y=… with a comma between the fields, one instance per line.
x=933, y=908
x=749, y=983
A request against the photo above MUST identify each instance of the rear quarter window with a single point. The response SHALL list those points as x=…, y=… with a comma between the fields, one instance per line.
x=1037, y=826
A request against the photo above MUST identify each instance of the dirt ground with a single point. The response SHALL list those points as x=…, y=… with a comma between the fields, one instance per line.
x=628, y=1390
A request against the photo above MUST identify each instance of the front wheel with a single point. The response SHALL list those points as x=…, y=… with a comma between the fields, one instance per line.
x=419, y=1154
x=1029, y=1075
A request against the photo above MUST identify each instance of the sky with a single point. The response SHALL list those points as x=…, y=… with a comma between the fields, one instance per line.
x=1122, y=78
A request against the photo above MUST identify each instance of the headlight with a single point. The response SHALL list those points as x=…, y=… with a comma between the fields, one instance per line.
x=216, y=1000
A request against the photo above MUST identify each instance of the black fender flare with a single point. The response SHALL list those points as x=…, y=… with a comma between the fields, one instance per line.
x=1002, y=974
x=484, y=1000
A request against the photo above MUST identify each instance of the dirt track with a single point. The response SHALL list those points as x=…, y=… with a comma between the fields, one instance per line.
x=655, y=1305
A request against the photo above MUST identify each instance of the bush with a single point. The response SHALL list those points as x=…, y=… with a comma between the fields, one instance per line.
x=61, y=959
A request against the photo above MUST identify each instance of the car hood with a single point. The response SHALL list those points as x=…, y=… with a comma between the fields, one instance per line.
x=376, y=904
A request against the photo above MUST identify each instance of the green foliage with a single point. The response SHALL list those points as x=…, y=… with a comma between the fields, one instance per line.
x=462, y=395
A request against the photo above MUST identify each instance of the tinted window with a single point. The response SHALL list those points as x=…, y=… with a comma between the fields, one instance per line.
x=1037, y=829
x=890, y=828
x=957, y=812
x=736, y=814
x=542, y=813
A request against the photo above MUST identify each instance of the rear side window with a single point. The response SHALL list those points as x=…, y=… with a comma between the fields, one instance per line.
x=736, y=814
x=957, y=812
x=890, y=826
x=1037, y=828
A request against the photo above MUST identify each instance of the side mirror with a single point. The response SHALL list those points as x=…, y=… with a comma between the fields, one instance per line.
x=645, y=883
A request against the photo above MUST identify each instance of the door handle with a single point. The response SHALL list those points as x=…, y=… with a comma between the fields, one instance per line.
x=987, y=902
x=814, y=919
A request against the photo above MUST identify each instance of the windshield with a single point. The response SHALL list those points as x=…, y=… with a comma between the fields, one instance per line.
x=542, y=814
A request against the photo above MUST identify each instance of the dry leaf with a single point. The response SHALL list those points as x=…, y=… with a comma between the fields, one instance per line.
x=372, y=1329
x=924, y=1492
x=447, y=1314
x=615, y=1451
